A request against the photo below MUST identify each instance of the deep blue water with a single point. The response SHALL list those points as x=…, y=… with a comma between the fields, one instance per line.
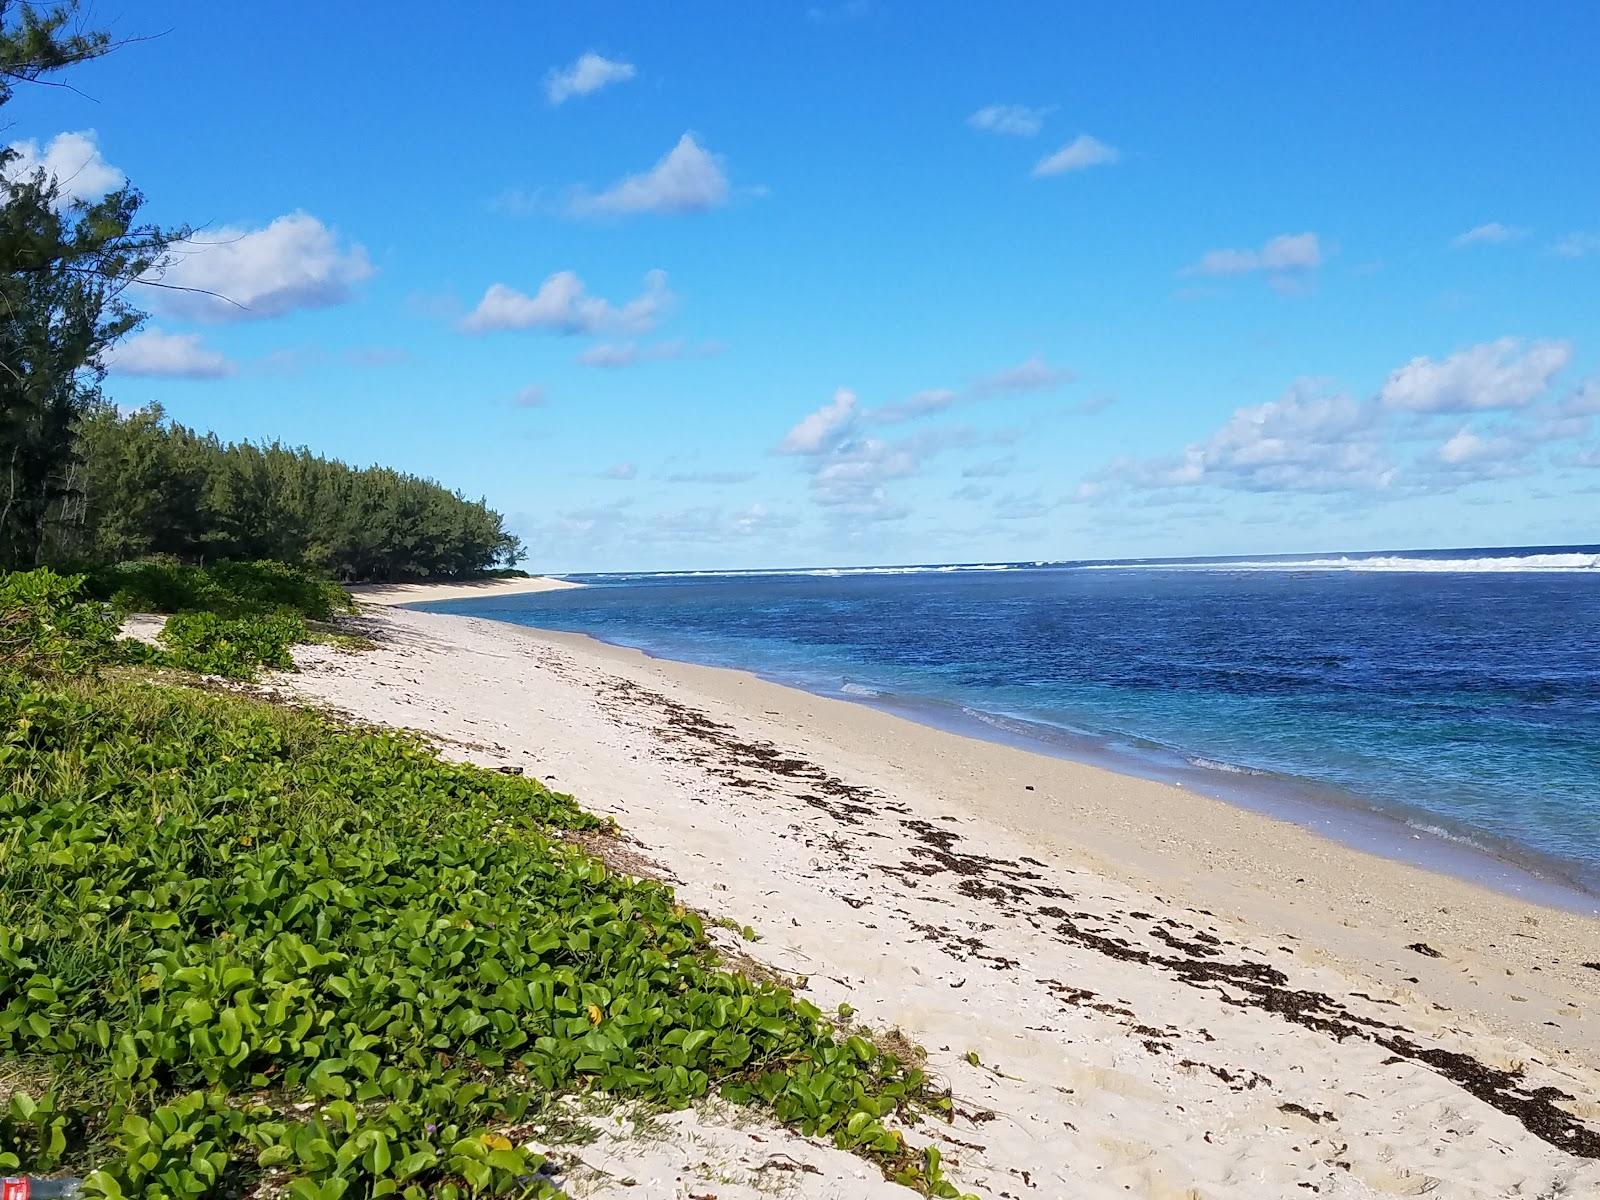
x=1455, y=691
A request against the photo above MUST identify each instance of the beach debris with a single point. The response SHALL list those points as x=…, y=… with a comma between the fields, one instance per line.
x=1309, y=1114
x=1424, y=949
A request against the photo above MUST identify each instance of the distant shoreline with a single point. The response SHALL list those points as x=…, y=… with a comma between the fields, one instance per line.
x=426, y=592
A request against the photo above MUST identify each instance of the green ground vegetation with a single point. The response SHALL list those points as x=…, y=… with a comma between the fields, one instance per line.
x=245, y=946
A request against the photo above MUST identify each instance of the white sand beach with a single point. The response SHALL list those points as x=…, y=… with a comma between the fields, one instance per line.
x=1130, y=989
x=421, y=593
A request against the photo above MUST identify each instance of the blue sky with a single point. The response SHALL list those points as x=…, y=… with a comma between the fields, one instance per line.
x=738, y=285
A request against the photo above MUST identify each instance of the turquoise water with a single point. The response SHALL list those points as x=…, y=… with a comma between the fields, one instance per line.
x=1439, y=697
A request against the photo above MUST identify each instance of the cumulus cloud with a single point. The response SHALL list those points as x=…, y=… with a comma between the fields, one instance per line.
x=1079, y=154
x=1316, y=440
x=1469, y=447
x=823, y=429
x=1306, y=440
x=1491, y=234
x=851, y=479
x=73, y=159
x=849, y=471
x=589, y=73
x=1012, y=120
x=688, y=178
x=564, y=305
x=1285, y=260
x=159, y=354
x=293, y=263
x=1491, y=375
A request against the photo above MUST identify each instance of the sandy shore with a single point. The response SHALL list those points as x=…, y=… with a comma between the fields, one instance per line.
x=419, y=593
x=1165, y=996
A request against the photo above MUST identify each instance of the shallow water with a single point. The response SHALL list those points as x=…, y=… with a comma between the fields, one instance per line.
x=1448, y=696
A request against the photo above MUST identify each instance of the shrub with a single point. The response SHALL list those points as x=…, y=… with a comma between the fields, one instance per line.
x=210, y=644
x=48, y=623
x=231, y=589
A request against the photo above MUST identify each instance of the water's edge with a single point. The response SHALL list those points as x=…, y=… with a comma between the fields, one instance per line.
x=1341, y=817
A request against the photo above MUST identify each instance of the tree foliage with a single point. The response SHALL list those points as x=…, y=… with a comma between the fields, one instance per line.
x=67, y=264
x=35, y=42
x=148, y=486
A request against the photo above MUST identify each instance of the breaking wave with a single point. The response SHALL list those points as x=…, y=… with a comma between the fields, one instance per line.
x=1566, y=562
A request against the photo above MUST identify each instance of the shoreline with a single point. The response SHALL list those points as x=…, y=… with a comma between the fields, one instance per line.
x=1130, y=988
x=1347, y=819
x=430, y=592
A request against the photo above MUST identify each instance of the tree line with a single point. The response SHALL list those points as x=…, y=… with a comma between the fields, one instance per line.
x=144, y=485
x=81, y=485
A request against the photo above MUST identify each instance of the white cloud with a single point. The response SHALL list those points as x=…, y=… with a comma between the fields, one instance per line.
x=1030, y=376
x=1304, y=441
x=610, y=355
x=629, y=354
x=688, y=179
x=921, y=404
x=529, y=397
x=1492, y=234
x=849, y=471
x=851, y=479
x=1584, y=400
x=1470, y=456
x=295, y=262
x=73, y=159
x=621, y=470
x=589, y=73
x=822, y=430
x=1013, y=120
x=1491, y=375
x=563, y=305
x=1464, y=445
x=1283, y=259
x=1578, y=245
x=1033, y=374
x=1077, y=155
x=155, y=352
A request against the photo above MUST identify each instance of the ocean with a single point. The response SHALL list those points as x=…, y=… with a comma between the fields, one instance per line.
x=1439, y=706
